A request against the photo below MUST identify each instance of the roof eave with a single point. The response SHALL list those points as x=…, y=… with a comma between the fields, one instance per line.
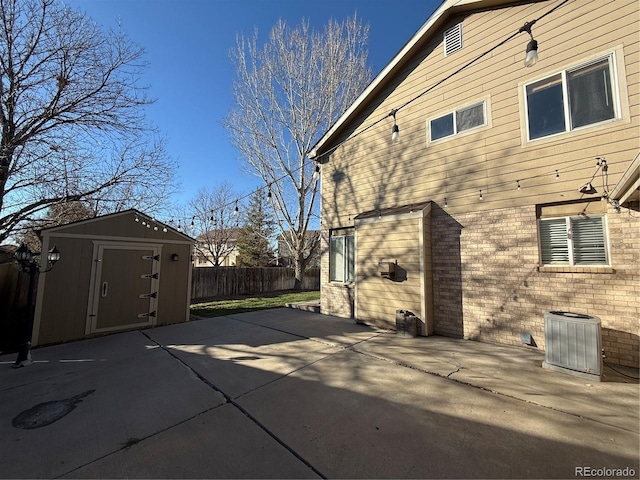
x=447, y=9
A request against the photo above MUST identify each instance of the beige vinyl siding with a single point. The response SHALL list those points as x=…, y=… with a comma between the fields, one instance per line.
x=460, y=166
x=484, y=275
x=379, y=298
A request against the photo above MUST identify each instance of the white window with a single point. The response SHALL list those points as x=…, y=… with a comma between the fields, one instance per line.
x=342, y=254
x=458, y=121
x=577, y=240
x=571, y=99
x=453, y=39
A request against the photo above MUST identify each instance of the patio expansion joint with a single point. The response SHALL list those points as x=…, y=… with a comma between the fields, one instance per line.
x=486, y=389
x=133, y=441
x=228, y=399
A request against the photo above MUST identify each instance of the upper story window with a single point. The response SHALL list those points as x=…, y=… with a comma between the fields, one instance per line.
x=571, y=99
x=458, y=121
x=574, y=240
x=453, y=39
x=342, y=254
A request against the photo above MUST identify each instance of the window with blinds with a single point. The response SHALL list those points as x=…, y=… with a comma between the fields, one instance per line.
x=579, y=241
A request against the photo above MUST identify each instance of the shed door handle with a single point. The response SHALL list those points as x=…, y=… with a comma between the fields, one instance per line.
x=105, y=286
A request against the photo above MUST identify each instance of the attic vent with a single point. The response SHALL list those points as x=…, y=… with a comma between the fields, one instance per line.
x=453, y=40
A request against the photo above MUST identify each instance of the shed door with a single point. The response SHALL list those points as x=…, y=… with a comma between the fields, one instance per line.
x=125, y=288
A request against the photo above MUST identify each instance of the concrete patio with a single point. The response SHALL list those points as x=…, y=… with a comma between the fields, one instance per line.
x=294, y=394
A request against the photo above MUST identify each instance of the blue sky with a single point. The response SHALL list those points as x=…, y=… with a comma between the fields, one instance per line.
x=190, y=73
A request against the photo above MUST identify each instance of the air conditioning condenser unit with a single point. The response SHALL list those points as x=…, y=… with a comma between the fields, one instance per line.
x=573, y=344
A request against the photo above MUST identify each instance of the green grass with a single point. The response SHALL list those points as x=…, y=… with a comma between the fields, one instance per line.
x=250, y=303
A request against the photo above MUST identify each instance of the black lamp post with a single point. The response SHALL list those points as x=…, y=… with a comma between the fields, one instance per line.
x=29, y=265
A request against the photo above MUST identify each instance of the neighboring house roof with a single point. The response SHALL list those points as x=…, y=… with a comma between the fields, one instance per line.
x=230, y=233
x=307, y=234
x=447, y=9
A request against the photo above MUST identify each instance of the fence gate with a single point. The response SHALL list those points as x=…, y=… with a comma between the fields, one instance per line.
x=124, y=287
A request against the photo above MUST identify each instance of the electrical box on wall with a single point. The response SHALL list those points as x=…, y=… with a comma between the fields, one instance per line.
x=387, y=270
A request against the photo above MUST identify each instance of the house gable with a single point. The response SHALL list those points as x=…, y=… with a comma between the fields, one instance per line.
x=486, y=179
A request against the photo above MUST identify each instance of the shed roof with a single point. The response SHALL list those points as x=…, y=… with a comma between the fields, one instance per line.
x=137, y=230
x=446, y=10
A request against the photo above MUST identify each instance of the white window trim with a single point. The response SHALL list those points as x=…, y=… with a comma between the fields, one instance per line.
x=486, y=101
x=570, y=244
x=345, y=269
x=619, y=91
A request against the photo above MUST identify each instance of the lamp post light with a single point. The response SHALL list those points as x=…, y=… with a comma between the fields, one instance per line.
x=29, y=265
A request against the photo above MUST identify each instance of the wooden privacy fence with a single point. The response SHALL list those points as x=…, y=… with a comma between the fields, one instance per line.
x=210, y=282
x=14, y=292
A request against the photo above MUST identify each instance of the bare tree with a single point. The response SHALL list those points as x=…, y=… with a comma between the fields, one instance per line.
x=214, y=223
x=287, y=94
x=58, y=214
x=72, y=117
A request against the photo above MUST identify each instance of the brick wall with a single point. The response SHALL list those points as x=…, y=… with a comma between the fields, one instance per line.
x=487, y=285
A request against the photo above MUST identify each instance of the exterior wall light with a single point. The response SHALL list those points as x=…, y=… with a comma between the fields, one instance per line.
x=29, y=265
x=175, y=257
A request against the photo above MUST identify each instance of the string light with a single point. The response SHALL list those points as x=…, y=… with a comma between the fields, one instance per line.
x=395, y=129
x=532, y=47
x=440, y=82
x=446, y=204
x=518, y=182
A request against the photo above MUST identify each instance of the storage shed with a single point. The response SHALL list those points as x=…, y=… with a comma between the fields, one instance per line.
x=116, y=272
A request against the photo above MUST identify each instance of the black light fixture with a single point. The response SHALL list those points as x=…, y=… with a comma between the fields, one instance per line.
x=316, y=172
x=269, y=197
x=27, y=261
x=236, y=210
x=23, y=255
x=53, y=256
x=588, y=189
x=395, y=131
x=29, y=265
x=532, y=47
